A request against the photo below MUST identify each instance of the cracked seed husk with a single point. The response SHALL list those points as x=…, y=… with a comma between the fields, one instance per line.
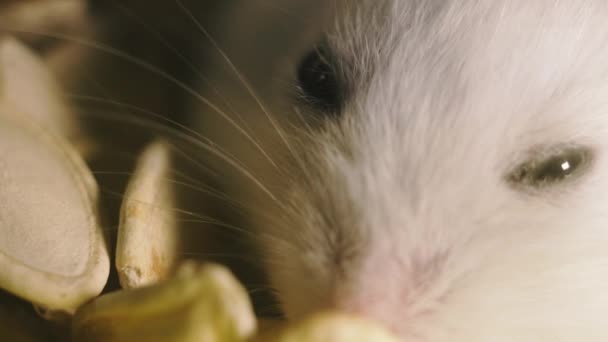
x=147, y=249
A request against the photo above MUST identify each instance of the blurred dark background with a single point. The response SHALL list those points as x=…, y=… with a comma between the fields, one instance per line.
x=126, y=67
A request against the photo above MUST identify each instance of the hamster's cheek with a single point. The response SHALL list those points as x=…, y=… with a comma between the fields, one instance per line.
x=528, y=287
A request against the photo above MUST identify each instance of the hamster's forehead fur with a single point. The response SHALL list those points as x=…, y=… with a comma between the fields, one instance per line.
x=434, y=78
x=405, y=215
x=404, y=54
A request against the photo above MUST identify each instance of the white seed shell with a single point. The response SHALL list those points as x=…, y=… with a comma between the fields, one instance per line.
x=28, y=86
x=52, y=250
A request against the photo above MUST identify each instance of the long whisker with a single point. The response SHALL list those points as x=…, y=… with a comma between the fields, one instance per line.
x=202, y=189
x=169, y=46
x=208, y=147
x=198, y=164
x=133, y=119
x=199, y=218
x=146, y=66
x=207, y=190
x=243, y=81
x=307, y=128
x=127, y=106
x=199, y=74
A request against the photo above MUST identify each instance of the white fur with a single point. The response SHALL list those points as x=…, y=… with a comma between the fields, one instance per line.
x=400, y=211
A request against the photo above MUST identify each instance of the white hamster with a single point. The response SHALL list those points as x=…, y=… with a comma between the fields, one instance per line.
x=441, y=168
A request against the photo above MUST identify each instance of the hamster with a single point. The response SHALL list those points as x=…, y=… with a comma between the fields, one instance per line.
x=437, y=166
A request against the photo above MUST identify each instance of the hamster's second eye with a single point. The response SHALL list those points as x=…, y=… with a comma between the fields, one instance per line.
x=318, y=82
x=552, y=168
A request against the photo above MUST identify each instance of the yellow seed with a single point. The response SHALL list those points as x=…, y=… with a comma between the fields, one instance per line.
x=332, y=327
x=199, y=304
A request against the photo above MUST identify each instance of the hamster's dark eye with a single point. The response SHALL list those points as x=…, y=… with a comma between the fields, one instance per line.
x=552, y=168
x=318, y=82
